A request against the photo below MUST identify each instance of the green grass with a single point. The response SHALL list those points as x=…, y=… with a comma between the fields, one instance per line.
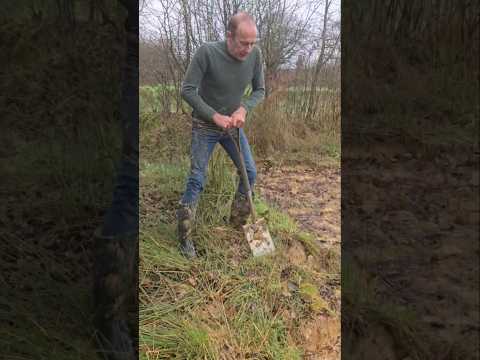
x=277, y=127
x=224, y=304
x=213, y=306
x=272, y=137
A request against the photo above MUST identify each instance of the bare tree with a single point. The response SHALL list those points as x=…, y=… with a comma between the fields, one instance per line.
x=328, y=45
x=286, y=29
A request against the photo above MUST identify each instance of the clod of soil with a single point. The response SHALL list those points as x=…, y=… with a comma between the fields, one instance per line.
x=296, y=253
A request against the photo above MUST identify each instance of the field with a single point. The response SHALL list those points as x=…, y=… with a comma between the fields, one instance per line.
x=227, y=304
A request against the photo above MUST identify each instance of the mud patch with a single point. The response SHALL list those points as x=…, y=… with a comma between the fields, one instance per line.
x=321, y=338
x=416, y=232
x=309, y=195
x=378, y=344
x=296, y=253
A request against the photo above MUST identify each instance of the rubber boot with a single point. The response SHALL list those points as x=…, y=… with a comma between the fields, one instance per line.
x=185, y=221
x=240, y=211
x=115, y=290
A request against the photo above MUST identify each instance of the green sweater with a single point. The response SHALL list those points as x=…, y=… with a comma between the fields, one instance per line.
x=216, y=82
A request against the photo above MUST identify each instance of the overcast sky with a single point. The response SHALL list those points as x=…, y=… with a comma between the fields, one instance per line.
x=147, y=18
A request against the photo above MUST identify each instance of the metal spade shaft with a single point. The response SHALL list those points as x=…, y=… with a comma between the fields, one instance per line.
x=243, y=173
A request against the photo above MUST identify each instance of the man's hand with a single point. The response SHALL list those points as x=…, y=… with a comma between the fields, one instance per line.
x=238, y=117
x=225, y=122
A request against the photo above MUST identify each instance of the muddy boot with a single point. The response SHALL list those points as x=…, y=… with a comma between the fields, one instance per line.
x=185, y=219
x=240, y=211
x=114, y=291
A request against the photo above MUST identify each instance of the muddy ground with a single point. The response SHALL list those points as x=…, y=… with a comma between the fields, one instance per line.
x=413, y=212
x=311, y=196
x=413, y=215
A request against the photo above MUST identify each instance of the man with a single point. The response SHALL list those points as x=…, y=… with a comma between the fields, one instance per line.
x=213, y=86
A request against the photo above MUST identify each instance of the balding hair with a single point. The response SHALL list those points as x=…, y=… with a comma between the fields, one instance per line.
x=238, y=18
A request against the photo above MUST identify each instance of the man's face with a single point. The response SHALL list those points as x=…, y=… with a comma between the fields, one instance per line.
x=241, y=43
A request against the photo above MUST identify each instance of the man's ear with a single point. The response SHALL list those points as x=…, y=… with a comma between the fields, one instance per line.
x=229, y=34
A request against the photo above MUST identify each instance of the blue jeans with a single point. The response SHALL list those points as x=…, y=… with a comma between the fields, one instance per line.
x=203, y=144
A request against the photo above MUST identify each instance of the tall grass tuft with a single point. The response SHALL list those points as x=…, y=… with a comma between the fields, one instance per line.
x=219, y=190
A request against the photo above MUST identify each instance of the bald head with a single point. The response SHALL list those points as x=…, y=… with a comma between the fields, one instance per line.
x=241, y=35
x=240, y=18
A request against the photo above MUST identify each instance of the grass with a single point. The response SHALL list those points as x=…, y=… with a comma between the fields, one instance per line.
x=31, y=300
x=45, y=277
x=58, y=160
x=58, y=187
x=216, y=307
x=278, y=128
x=224, y=304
